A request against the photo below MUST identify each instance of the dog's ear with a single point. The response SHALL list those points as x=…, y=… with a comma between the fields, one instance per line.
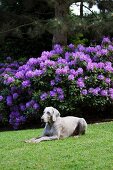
x=56, y=113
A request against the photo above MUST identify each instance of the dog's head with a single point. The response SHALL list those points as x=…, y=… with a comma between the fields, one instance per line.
x=50, y=114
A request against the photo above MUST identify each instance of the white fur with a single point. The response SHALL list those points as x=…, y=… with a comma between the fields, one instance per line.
x=59, y=127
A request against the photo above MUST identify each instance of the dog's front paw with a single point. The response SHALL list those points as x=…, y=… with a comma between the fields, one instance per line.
x=30, y=140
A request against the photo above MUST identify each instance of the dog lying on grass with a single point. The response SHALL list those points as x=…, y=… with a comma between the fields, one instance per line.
x=59, y=127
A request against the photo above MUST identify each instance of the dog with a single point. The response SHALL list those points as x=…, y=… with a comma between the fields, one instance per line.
x=57, y=127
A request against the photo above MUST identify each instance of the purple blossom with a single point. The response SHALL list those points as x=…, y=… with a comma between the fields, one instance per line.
x=32, y=61
x=100, y=77
x=64, y=71
x=111, y=96
x=104, y=92
x=71, y=46
x=28, y=104
x=106, y=40
x=80, y=71
x=53, y=93
x=22, y=107
x=9, y=100
x=61, y=97
x=19, y=75
x=10, y=80
x=80, y=83
x=84, y=92
x=67, y=56
x=90, y=66
x=15, y=95
x=108, y=80
x=37, y=72
x=58, y=79
x=43, y=96
x=59, y=90
x=52, y=82
x=36, y=106
x=26, y=83
x=81, y=47
x=71, y=77
x=29, y=74
x=1, y=98
x=110, y=47
x=8, y=58
x=100, y=65
x=110, y=90
x=57, y=49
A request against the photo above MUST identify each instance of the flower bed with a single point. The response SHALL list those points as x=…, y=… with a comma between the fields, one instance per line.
x=69, y=79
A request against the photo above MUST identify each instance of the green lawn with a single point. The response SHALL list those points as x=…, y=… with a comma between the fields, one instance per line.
x=93, y=151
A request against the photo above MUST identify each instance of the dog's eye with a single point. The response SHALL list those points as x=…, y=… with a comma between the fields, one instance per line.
x=48, y=113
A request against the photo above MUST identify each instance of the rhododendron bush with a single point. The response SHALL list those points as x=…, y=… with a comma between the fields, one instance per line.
x=67, y=78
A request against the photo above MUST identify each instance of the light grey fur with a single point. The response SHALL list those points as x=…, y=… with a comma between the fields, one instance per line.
x=59, y=127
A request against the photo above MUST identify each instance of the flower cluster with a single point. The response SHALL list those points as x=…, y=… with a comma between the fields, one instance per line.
x=61, y=77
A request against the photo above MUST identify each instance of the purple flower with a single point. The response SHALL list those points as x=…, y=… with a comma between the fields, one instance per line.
x=10, y=80
x=1, y=98
x=32, y=61
x=9, y=100
x=71, y=77
x=104, y=92
x=52, y=93
x=8, y=58
x=107, y=80
x=81, y=47
x=110, y=47
x=100, y=65
x=111, y=96
x=106, y=40
x=26, y=83
x=29, y=74
x=111, y=90
x=22, y=107
x=15, y=95
x=72, y=71
x=59, y=90
x=90, y=66
x=37, y=72
x=58, y=49
x=95, y=91
x=58, y=79
x=84, y=92
x=80, y=83
x=43, y=96
x=61, y=97
x=100, y=77
x=52, y=82
x=19, y=75
x=36, y=106
x=28, y=104
x=71, y=46
x=80, y=71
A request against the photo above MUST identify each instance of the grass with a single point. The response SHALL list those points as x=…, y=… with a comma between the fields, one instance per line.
x=92, y=151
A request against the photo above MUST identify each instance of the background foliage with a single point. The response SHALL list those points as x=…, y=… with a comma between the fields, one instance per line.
x=77, y=81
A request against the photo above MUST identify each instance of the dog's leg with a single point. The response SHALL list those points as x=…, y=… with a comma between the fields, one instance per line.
x=44, y=138
x=32, y=139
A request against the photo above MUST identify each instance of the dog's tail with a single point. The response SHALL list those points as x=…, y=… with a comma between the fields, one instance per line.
x=82, y=126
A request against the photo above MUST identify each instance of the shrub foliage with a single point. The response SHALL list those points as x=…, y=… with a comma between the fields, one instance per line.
x=74, y=80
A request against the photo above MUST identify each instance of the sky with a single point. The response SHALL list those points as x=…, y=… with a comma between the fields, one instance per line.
x=76, y=8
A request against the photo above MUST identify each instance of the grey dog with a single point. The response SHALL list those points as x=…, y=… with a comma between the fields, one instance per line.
x=59, y=127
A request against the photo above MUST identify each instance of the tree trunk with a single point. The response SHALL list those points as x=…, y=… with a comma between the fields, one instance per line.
x=61, y=30
x=81, y=9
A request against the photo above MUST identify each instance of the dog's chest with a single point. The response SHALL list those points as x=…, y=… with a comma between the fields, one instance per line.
x=50, y=131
